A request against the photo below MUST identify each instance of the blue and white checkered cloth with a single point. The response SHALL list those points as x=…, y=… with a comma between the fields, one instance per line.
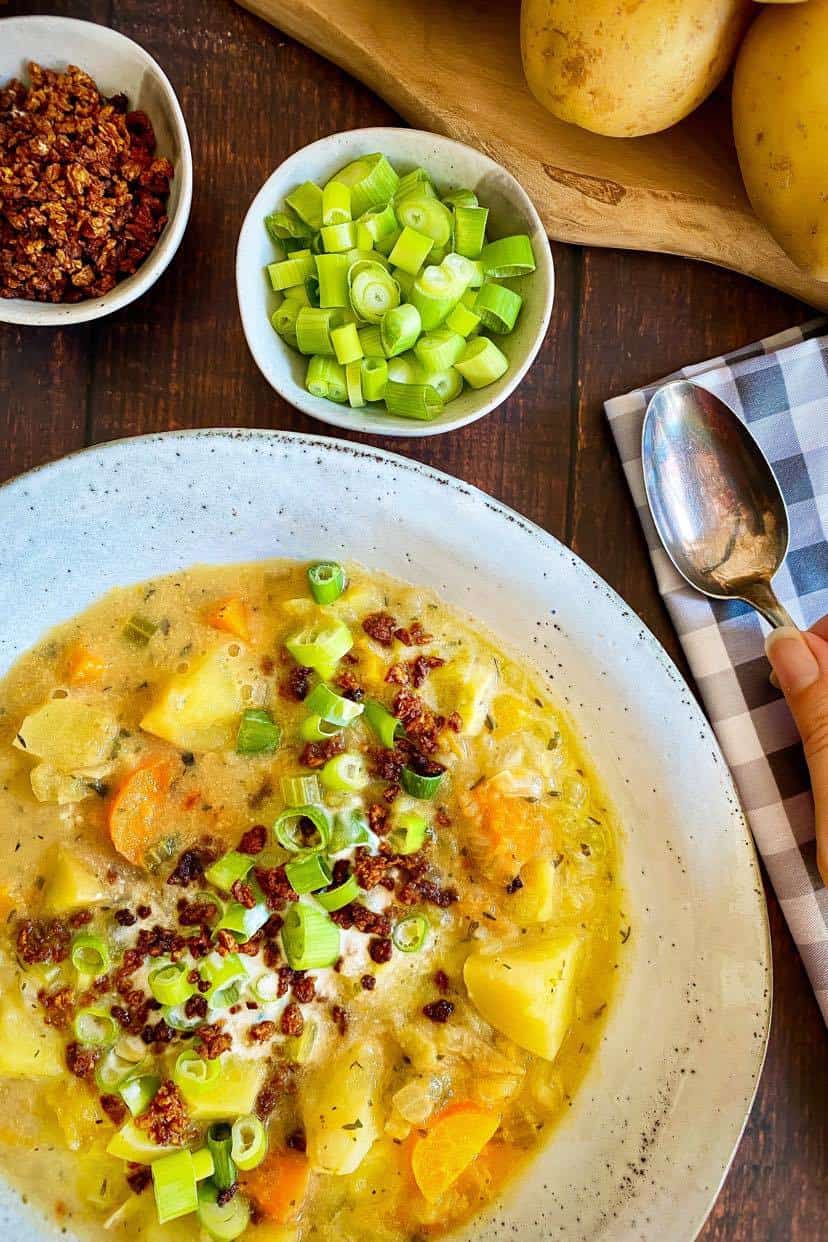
x=779, y=386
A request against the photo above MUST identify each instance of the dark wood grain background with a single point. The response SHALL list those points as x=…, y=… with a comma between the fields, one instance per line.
x=177, y=358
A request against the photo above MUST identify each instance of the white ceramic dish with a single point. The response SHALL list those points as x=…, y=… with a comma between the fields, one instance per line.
x=451, y=164
x=116, y=64
x=643, y=1151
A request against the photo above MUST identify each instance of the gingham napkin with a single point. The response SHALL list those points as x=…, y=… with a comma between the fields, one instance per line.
x=779, y=386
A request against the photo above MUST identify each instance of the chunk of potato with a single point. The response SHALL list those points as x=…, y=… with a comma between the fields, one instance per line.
x=70, y=884
x=28, y=1049
x=68, y=734
x=466, y=686
x=232, y=1094
x=200, y=709
x=78, y=1115
x=341, y=1109
x=527, y=991
x=537, y=900
x=50, y=785
x=130, y=1143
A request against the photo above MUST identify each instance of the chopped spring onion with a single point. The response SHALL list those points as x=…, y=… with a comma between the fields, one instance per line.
x=113, y=1070
x=439, y=350
x=90, y=954
x=333, y=707
x=460, y=198
x=139, y=630
x=311, y=291
x=415, y=182
x=435, y=293
x=326, y=378
x=463, y=319
x=374, y=377
x=345, y=340
x=202, y=1164
x=373, y=290
x=288, y=828
x=225, y=998
x=335, y=898
x=498, y=307
x=244, y=921
x=176, y=1017
x=249, y=1142
x=315, y=729
x=371, y=341
x=404, y=370
x=194, y=1074
x=169, y=984
x=300, y=790
x=482, y=362
x=408, y=833
x=96, y=1026
x=345, y=774
x=449, y=383
x=321, y=645
x=222, y=1222
x=386, y=726
x=309, y=938
x=405, y=280
x=508, y=256
x=313, y=331
x=308, y=873
x=326, y=580
x=419, y=401
x=258, y=734
x=467, y=272
x=284, y=225
x=219, y=1142
x=336, y=203
x=411, y=251
x=426, y=216
x=379, y=222
x=306, y=201
x=289, y=272
x=226, y=870
x=353, y=380
x=470, y=230
x=220, y=972
x=372, y=182
x=332, y=274
x=283, y=318
x=204, y=898
x=364, y=240
x=422, y=787
x=399, y=329
x=265, y=988
x=409, y=934
x=139, y=1092
x=338, y=238
x=351, y=828
x=174, y=1184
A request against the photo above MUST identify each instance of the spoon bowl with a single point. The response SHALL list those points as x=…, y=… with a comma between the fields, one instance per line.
x=715, y=501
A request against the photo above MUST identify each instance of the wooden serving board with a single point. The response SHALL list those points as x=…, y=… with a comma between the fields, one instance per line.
x=453, y=66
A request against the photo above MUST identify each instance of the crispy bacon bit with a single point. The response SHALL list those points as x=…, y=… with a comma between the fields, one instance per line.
x=261, y=1032
x=243, y=894
x=166, y=1121
x=138, y=1177
x=380, y=950
x=143, y=912
x=196, y=913
x=368, y=982
x=158, y=1034
x=81, y=1061
x=115, y=1108
x=419, y=722
x=420, y=668
x=372, y=922
x=200, y=945
x=196, y=1007
x=275, y=885
x=125, y=918
x=441, y=981
x=213, y=1041
x=370, y=869
x=380, y=626
x=413, y=636
x=188, y=868
x=455, y=722
x=304, y=988
x=43, y=942
x=281, y=1082
x=350, y=687
x=158, y=942
x=291, y=1021
x=226, y=1196
x=226, y=942
x=317, y=754
x=424, y=766
x=387, y=765
x=58, y=1007
x=514, y=885
x=340, y=1019
x=251, y=946
x=439, y=1010
x=80, y=918
x=397, y=675
x=378, y=818
x=254, y=840
x=297, y=685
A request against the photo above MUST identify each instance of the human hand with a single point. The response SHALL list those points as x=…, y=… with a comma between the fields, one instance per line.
x=800, y=662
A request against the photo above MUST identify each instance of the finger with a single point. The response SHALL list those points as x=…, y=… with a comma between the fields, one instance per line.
x=821, y=628
x=800, y=662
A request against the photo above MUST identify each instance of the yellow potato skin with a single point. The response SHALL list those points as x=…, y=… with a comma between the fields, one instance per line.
x=628, y=67
x=780, y=121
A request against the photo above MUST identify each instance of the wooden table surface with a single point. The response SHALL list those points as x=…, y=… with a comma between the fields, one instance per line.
x=177, y=358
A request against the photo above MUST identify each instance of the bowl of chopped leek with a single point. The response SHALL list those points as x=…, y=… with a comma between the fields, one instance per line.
x=394, y=282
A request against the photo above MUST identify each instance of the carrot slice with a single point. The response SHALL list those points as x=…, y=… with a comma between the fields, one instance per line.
x=133, y=811
x=454, y=1139
x=230, y=614
x=279, y=1185
x=82, y=665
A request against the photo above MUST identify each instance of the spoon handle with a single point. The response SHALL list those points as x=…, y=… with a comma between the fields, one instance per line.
x=766, y=602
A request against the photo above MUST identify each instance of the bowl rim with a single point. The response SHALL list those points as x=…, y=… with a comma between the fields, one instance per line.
x=344, y=417
x=56, y=314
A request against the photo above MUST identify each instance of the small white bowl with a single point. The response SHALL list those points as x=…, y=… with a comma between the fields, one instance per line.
x=117, y=65
x=451, y=164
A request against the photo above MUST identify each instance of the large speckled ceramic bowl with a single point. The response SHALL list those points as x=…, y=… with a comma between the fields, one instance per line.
x=451, y=164
x=643, y=1150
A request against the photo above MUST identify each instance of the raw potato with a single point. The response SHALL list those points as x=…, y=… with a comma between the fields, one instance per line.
x=630, y=68
x=780, y=120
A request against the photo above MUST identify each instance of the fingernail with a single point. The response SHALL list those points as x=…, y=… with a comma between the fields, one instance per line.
x=793, y=662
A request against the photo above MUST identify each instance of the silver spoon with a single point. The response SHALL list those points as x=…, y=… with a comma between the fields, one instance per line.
x=715, y=501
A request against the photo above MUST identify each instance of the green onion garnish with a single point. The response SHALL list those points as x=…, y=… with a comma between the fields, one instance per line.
x=345, y=340
x=420, y=401
x=139, y=630
x=498, y=307
x=326, y=579
x=313, y=331
x=226, y=870
x=139, y=1092
x=309, y=938
x=386, y=726
x=333, y=707
x=174, y=1184
x=112, y=1071
x=371, y=180
x=169, y=984
x=249, y=1142
x=287, y=828
x=399, y=329
x=220, y=972
x=470, y=230
x=345, y=774
x=95, y=1026
x=342, y=895
x=351, y=828
x=289, y=272
x=411, y=251
x=321, y=645
x=309, y=873
x=423, y=787
x=301, y=790
x=509, y=256
x=219, y=1144
x=439, y=350
x=408, y=833
x=306, y=201
x=194, y=1074
x=326, y=378
x=245, y=921
x=332, y=273
x=373, y=291
x=482, y=362
x=90, y=954
x=223, y=1222
x=258, y=734
x=409, y=934
x=374, y=377
x=265, y=988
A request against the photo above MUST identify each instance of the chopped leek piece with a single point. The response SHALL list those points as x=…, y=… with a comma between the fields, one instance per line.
x=315, y=729
x=249, y=1142
x=245, y=921
x=309, y=937
x=374, y=376
x=426, y=216
x=308, y=873
x=96, y=1026
x=326, y=580
x=222, y=1222
x=372, y=182
x=326, y=378
x=90, y=954
x=113, y=1070
x=202, y=1164
x=435, y=293
x=299, y=1048
x=219, y=1143
x=371, y=341
x=226, y=870
x=300, y=790
x=335, y=898
x=139, y=630
x=408, y=833
x=332, y=274
x=399, y=329
x=470, y=230
x=345, y=774
x=220, y=972
x=176, y=1017
x=336, y=203
x=306, y=201
x=174, y=1184
x=498, y=307
x=460, y=198
x=345, y=340
x=292, y=271
x=409, y=934
x=386, y=726
x=351, y=828
x=379, y=222
x=448, y=383
x=439, y=350
x=321, y=645
x=482, y=363
x=353, y=381
x=139, y=1092
x=313, y=331
x=283, y=319
x=411, y=250
x=373, y=291
x=404, y=370
x=405, y=280
x=258, y=734
x=463, y=319
x=288, y=829
x=338, y=238
x=284, y=225
x=419, y=401
x=415, y=182
x=333, y=707
x=169, y=984
x=194, y=1074
x=418, y=786
x=508, y=256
